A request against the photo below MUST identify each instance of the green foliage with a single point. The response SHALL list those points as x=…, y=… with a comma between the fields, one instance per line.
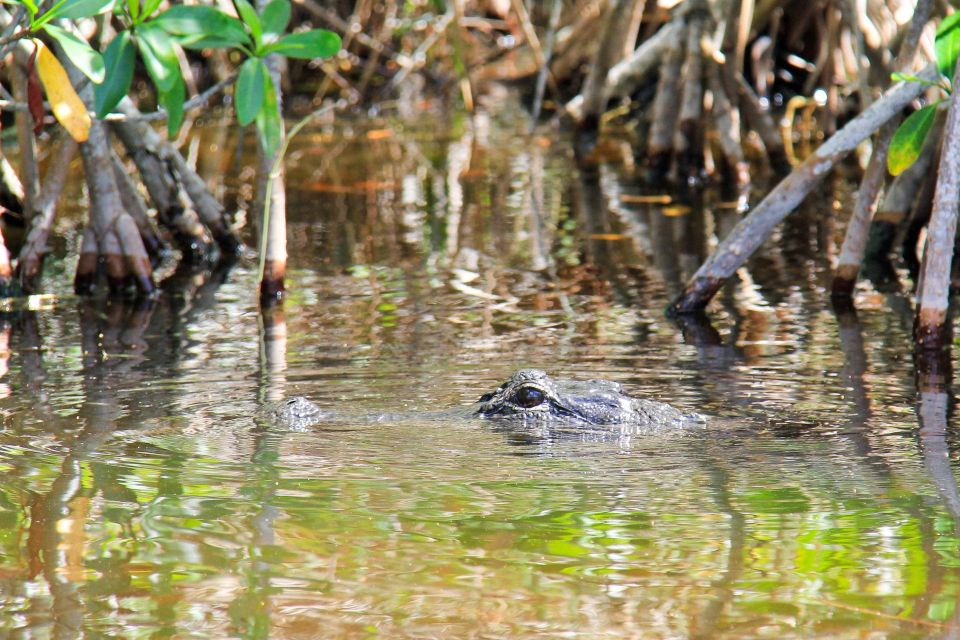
x=88, y=61
x=275, y=18
x=119, y=61
x=947, y=45
x=81, y=54
x=269, y=124
x=907, y=142
x=159, y=56
x=201, y=27
x=251, y=88
x=307, y=45
x=156, y=39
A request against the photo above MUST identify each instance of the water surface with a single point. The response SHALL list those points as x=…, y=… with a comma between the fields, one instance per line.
x=144, y=494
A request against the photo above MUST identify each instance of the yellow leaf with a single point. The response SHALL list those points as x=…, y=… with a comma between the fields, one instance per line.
x=67, y=106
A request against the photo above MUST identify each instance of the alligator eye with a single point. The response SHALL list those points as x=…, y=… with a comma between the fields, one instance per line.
x=528, y=397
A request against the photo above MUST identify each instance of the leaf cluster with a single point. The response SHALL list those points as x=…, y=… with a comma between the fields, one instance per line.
x=157, y=39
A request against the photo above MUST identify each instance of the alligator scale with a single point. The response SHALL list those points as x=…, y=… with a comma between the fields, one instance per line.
x=531, y=396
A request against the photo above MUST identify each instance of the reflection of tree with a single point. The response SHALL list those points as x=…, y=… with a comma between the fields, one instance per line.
x=707, y=623
x=116, y=336
x=934, y=375
x=250, y=613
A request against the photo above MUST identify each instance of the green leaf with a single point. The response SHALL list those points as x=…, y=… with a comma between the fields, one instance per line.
x=947, y=44
x=149, y=7
x=201, y=27
x=275, y=18
x=133, y=7
x=269, y=124
x=88, y=61
x=316, y=43
x=159, y=56
x=172, y=102
x=32, y=8
x=250, y=18
x=908, y=140
x=119, y=59
x=250, y=90
x=76, y=9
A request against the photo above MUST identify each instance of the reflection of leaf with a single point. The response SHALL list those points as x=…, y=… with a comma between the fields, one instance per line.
x=67, y=106
x=675, y=210
x=908, y=140
x=781, y=500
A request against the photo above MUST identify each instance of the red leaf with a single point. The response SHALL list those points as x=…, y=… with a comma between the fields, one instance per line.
x=34, y=96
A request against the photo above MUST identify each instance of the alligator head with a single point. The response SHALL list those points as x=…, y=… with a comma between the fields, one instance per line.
x=530, y=394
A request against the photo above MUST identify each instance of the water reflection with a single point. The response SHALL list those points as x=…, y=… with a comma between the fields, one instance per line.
x=144, y=495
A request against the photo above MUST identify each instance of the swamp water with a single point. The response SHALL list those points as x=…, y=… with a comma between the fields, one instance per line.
x=143, y=494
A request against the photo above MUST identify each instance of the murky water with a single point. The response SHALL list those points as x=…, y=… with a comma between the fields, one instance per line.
x=143, y=495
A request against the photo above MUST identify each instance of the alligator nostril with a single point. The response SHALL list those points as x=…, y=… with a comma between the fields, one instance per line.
x=528, y=397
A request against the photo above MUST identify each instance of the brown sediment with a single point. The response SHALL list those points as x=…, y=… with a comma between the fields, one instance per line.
x=844, y=281
x=272, y=286
x=695, y=296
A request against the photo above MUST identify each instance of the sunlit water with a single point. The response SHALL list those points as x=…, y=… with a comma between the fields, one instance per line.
x=145, y=494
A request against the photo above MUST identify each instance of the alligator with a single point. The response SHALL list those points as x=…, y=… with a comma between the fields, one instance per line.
x=531, y=396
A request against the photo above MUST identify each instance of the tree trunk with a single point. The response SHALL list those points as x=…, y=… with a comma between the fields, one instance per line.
x=858, y=228
x=144, y=146
x=753, y=230
x=273, y=211
x=116, y=234
x=688, y=139
x=901, y=196
x=610, y=52
x=663, y=118
x=930, y=327
x=34, y=248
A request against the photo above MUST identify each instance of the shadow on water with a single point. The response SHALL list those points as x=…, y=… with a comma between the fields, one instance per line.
x=143, y=495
